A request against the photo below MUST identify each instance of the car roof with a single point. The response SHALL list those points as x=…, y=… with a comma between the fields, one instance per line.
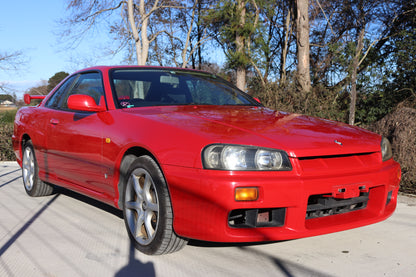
x=110, y=67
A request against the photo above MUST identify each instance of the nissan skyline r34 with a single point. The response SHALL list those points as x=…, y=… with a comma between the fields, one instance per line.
x=186, y=155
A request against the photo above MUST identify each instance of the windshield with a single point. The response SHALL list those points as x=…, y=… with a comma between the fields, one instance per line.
x=160, y=87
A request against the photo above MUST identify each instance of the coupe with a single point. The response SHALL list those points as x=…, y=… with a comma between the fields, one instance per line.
x=186, y=155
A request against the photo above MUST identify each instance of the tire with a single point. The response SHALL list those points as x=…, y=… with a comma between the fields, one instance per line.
x=30, y=173
x=147, y=209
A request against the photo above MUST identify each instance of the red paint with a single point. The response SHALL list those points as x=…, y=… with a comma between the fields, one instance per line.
x=82, y=151
x=28, y=98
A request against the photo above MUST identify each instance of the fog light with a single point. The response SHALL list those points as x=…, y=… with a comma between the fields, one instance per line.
x=246, y=194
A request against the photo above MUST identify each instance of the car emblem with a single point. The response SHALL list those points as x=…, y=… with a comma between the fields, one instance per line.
x=338, y=142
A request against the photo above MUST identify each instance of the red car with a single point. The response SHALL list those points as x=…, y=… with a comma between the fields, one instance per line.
x=186, y=155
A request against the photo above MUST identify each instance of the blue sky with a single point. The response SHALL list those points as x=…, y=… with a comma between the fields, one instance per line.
x=31, y=27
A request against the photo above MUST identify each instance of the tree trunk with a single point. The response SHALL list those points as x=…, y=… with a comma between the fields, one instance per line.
x=302, y=30
x=132, y=22
x=142, y=42
x=199, y=35
x=288, y=32
x=185, y=60
x=355, y=64
x=241, y=78
x=145, y=39
x=239, y=42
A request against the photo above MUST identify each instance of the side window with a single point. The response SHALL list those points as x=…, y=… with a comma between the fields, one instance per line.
x=56, y=98
x=89, y=84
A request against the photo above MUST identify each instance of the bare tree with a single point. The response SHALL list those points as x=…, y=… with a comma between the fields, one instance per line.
x=355, y=64
x=302, y=35
x=351, y=38
x=183, y=34
x=40, y=89
x=138, y=18
x=139, y=24
x=10, y=62
x=287, y=31
x=202, y=36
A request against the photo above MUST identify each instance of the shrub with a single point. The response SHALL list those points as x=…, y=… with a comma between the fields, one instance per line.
x=320, y=102
x=400, y=128
x=6, y=147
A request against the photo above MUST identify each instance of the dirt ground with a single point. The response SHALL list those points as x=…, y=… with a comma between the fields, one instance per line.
x=4, y=108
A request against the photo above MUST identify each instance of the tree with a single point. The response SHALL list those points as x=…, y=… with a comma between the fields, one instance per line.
x=273, y=41
x=56, y=79
x=140, y=25
x=87, y=15
x=401, y=82
x=41, y=89
x=196, y=32
x=233, y=25
x=302, y=40
x=398, y=85
x=360, y=27
x=351, y=44
x=183, y=34
x=200, y=33
x=10, y=61
x=7, y=97
x=47, y=86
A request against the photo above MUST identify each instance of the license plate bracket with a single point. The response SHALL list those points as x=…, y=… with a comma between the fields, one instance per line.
x=349, y=191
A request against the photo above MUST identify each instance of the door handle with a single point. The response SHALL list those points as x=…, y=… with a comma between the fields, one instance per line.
x=54, y=121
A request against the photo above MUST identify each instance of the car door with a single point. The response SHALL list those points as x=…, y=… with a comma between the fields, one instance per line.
x=75, y=139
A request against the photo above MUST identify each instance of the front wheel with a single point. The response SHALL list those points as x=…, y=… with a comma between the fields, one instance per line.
x=147, y=209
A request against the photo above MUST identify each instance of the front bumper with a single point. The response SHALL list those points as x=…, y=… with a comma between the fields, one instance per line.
x=203, y=201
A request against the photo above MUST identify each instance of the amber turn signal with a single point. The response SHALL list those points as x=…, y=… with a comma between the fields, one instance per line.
x=246, y=194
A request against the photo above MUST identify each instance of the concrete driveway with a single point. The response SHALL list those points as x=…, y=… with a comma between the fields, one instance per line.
x=70, y=235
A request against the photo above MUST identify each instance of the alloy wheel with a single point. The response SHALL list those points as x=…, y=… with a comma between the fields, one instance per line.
x=28, y=168
x=142, y=206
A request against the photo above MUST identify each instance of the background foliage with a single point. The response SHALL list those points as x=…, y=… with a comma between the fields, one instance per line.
x=362, y=47
x=6, y=132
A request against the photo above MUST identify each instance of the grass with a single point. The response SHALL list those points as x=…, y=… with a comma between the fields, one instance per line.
x=7, y=114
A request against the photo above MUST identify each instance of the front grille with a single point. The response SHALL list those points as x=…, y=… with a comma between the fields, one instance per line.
x=325, y=205
x=353, y=162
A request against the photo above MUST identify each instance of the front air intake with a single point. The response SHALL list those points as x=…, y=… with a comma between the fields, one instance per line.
x=325, y=205
x=252, y=218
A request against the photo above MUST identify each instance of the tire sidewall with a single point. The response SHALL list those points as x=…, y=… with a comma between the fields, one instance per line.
x=32, y=191
x=148, y=164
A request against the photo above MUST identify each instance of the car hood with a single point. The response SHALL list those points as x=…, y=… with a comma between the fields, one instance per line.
x=298, y=135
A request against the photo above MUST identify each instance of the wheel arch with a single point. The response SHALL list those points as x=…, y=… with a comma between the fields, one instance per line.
x=25, y=138
x=127, y=158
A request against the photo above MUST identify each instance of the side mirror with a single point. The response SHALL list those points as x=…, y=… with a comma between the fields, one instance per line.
x=258, y=100
x=82, y=102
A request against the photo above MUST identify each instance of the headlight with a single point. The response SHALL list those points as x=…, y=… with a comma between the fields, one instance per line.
x=386, y=152
x=238, y=157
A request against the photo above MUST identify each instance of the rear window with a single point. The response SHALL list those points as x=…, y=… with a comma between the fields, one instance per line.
x=154, y=87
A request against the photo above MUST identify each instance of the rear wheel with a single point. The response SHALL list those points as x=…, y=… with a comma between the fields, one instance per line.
x=147, y=209
x=30, y=173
